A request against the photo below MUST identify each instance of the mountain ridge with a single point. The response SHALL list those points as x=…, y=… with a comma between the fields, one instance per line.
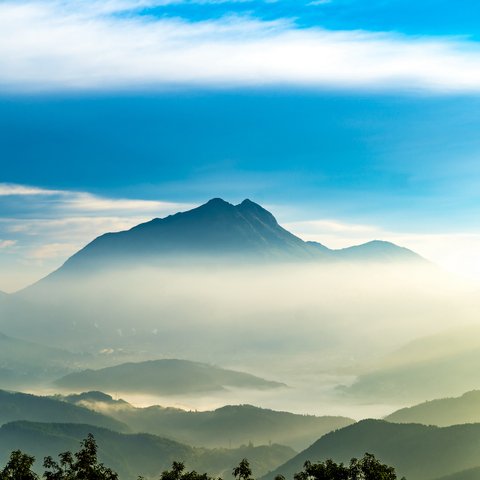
x=230, y=425
x=442, y=412
x=165, y=376
x=217, y=231
x=418, y=452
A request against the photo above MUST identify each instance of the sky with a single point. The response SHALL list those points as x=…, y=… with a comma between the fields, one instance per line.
x=350, y=120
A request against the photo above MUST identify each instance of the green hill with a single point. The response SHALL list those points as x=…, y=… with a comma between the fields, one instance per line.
x=417, y=452
x=22, y=406
x=164, y=377
x=133, y=454
x=442, y=412
x=224, y=427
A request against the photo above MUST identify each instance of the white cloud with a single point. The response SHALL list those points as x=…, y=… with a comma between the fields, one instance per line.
x=11, y=189
x=77, y=45
x=76, y=202
x=44, y=227
x=7, y=243
x=88, y=202
x=53, y=250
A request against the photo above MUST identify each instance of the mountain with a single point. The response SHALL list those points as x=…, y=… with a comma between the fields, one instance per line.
x=22, y=406
x=427, y=368
x=217, y=230
x=232, y=425
x=26, y=363
x=376, y=251
x=164, y=377
x=131, y=455
x=442, y=412
x=417, y=452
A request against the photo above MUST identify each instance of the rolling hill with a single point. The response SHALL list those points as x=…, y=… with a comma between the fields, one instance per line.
x=165, y=377
x=417, y=452
x=442, y=412
x=21, y=406
x=132, y=455
x=232, y=425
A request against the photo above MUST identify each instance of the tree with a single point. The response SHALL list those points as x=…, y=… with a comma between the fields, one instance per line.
x=367, y=468
x=19, y=467
x=82, y=465
x=177, y=472
x=243, y=471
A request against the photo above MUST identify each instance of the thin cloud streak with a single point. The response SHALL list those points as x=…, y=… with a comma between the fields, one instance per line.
x=40, y=228
x=11, y=189
x=50, y=46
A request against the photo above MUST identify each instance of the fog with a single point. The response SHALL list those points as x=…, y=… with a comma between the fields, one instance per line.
x=314, y=327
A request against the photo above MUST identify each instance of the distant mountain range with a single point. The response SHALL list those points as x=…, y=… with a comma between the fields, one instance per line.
x=163, y=377
x=418, y=452
x=442, y=412
x=221, y=231
x=232, y=425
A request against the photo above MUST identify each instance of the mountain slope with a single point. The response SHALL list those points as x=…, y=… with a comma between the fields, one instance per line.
x=26, y=363
x=427, y=368
x=442, y=412
x=470, y=474
x=417, y=452
x=21, y=406
x=231, y=425
x=132, y=455
x=166, y=377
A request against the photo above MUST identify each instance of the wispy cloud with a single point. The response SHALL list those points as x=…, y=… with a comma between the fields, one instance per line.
x=81, y=45
x=52, y=251
x=7, y=243
x=11, y=189
x=78, y=203
x=40, y=228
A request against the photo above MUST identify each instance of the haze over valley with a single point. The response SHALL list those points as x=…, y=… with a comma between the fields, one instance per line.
x=239, y=240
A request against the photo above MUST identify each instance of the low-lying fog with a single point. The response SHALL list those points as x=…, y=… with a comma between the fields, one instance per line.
x=313, y=327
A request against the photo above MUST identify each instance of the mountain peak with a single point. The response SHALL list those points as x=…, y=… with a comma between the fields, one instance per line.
x=217, y=202
x=248, y=203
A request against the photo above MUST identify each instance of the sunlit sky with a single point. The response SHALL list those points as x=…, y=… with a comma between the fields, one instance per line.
x=350, y=120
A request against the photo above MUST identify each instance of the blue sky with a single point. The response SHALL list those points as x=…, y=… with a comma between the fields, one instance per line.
x=350, y=120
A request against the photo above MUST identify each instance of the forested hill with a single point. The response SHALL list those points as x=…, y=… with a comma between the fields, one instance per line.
x=417, y=452
x=131, y=455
